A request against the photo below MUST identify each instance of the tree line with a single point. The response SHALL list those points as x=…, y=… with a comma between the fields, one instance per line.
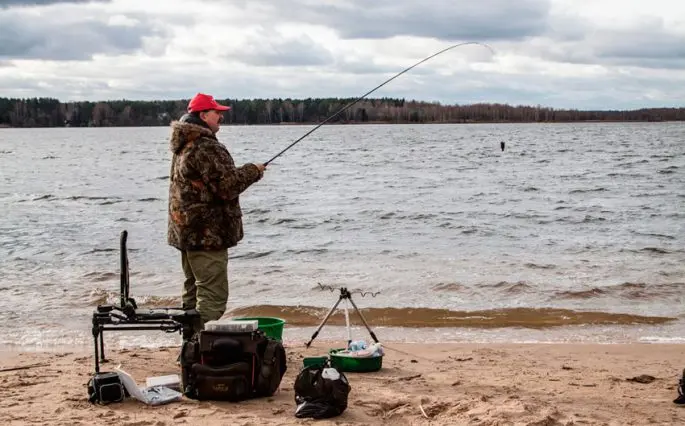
x=49, y=112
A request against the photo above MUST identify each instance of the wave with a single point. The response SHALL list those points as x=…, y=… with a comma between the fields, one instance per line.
x=100, y=297
x=101, y=276
x=107, y=250
x=306, y=251
x=257, y=211
x=252, y=255
x=668, y=170
x=526, y=215
x=469, y=230
x=379, y=214
x=538, y=266
x=586, y=219
x=581, y=294
x=583, y=191
x=49, y=197
x=650, y=234
x=507, y=287
x=627, y=290
x=310, y=225
x=101, y=250
x=282, y=221
x=158, y=301
x=456, y=287
x=632, y=163
x=337, y=221
x=623, y=174
x=536, y=318
x=90, y=198
x=654, y=250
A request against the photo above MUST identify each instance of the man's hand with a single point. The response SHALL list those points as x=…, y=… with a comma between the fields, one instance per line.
x=261, y=167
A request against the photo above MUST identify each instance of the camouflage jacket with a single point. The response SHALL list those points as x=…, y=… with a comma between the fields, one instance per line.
x=204, y=189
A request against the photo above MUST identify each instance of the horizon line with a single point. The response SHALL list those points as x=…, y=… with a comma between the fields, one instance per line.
x=437, y=103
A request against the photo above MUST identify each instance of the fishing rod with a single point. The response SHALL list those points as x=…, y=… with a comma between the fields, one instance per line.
x=373, y=90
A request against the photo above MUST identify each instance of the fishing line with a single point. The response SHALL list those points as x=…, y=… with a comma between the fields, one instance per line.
x=385, y=346
x=373, y=90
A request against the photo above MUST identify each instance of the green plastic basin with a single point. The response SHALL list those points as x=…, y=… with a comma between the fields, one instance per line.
x=272, y=327
x=360, y=365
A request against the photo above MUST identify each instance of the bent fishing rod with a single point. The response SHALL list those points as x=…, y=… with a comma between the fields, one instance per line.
x=346, y=107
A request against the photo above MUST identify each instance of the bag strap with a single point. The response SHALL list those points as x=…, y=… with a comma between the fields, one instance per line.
x=269, y=359
x=270, y=371
x=93, y=395
x=270, y=352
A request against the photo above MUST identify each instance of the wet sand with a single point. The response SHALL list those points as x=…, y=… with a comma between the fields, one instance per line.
x=475, y=384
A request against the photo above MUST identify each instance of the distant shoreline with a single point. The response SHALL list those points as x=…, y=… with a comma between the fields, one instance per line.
x=5, y=126
x=47, y=112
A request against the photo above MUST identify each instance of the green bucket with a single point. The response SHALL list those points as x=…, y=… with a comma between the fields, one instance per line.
x=272, y=327
x=359, y=365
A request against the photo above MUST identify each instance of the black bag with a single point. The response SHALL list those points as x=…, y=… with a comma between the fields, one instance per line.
x=273, y=366
x=320, y=397
x=680, y=400
x=105, y=388
x=231, y=366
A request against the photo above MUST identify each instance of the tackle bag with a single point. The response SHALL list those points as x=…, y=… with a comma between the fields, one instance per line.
x=321, y=392
x=231, y=366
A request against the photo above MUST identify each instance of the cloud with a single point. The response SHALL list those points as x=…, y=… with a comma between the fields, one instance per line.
x=444, y=20
x=72, y=37
x=264, y=49
x=559, y=53
x=441, y=19
x=647, y=43
x=10, y=3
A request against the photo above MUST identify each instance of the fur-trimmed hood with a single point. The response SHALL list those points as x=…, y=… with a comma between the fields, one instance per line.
x=183, y=133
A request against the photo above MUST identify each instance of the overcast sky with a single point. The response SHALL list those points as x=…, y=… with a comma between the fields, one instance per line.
x=586, y=54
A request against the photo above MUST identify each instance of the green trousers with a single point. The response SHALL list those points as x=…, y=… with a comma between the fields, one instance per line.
x=206, y=285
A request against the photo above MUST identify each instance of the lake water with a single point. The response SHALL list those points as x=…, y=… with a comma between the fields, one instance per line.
x=575, y=232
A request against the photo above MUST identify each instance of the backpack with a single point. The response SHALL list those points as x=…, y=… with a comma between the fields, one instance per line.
x=321, y=392
x=231, y=366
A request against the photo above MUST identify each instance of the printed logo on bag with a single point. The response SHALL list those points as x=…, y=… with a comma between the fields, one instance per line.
x=220, y=387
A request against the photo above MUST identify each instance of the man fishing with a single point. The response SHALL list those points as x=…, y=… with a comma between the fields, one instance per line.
x=204, y=217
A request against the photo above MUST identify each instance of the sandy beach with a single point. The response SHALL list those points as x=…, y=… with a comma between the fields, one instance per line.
x=475, y=384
